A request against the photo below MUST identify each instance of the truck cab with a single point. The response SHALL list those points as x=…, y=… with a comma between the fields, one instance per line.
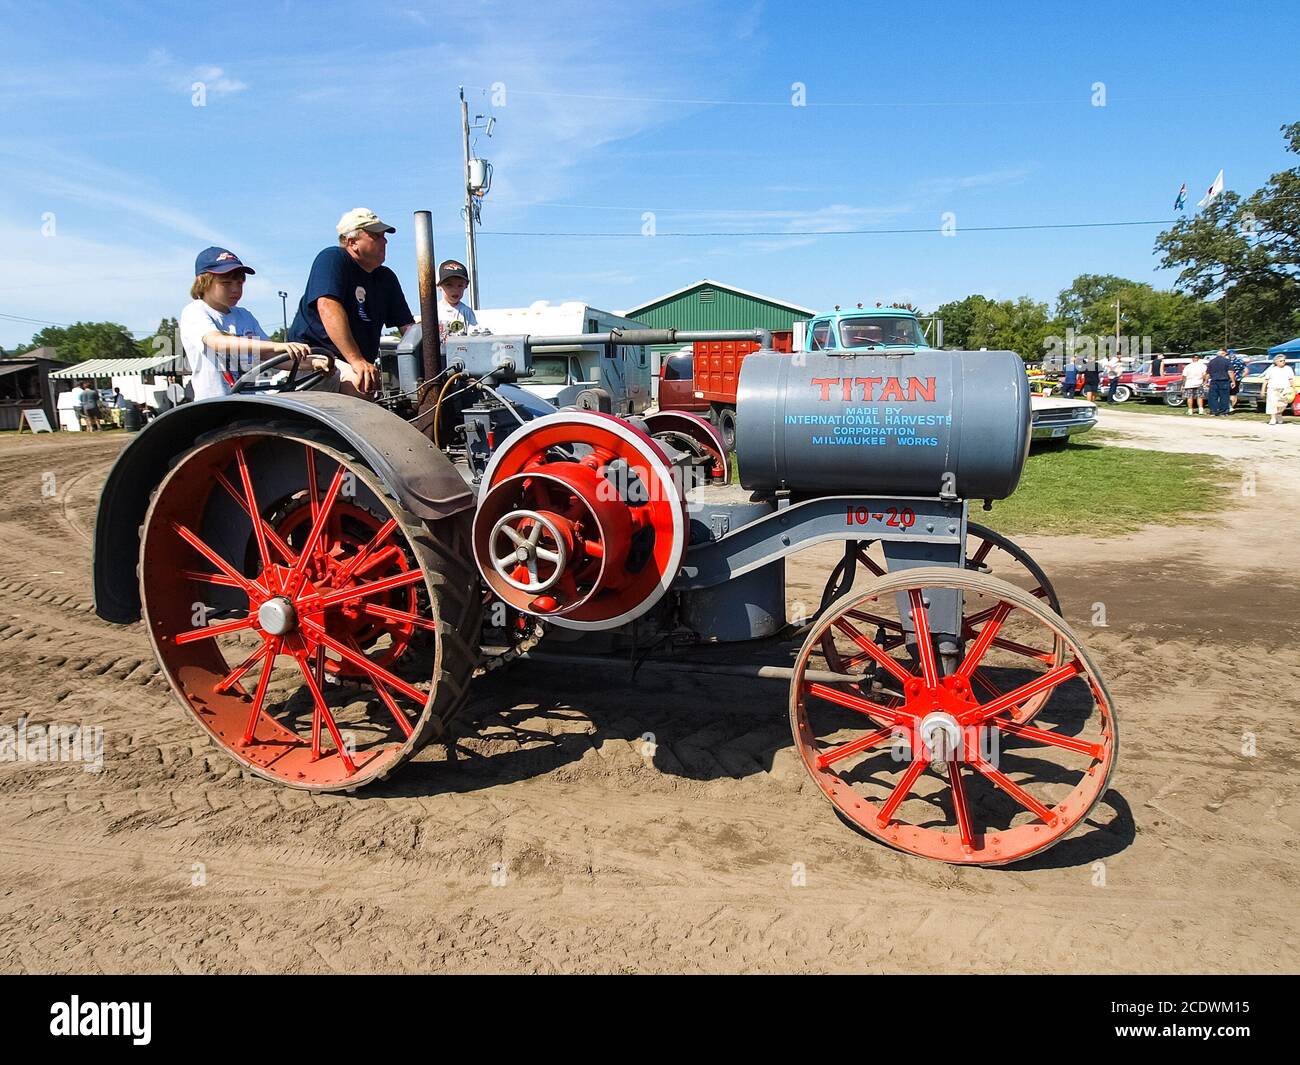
x=864, y=328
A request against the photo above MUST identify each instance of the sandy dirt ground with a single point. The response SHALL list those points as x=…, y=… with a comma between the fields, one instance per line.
x=555, y=845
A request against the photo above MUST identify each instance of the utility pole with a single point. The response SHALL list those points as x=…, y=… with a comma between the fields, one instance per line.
x=471, y=256
x=284, y=312
x=1117, y=347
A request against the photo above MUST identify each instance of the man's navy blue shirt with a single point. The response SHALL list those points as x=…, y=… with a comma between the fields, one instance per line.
x=1217, y=368
x=372, y=301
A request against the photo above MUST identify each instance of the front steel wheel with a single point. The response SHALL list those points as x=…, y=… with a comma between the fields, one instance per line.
x=931, y=762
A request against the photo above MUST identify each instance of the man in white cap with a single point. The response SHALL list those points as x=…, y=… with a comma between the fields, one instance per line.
x=351, y=298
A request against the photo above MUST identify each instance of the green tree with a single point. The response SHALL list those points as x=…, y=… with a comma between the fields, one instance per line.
x=1020, y=325
x=164, y=341
x=1245, y=252
x=1086, y=290
x=87, y=340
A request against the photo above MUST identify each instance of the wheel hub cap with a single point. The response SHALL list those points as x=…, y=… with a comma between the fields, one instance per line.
x=277, y=616
x=941, y=735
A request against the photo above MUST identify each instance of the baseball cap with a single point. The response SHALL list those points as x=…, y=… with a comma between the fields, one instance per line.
x=363, y=218
x=218, y=261
x=451, y=268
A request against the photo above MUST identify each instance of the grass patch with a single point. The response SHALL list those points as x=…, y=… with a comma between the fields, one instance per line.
x=1244, y=413
x=1091, y=486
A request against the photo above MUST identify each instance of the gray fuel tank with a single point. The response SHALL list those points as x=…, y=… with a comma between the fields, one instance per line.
x=862, y=422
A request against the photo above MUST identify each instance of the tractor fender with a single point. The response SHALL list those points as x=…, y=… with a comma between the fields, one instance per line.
x=419, y=476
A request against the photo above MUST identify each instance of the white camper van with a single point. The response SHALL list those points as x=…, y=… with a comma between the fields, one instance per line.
x=560, y=374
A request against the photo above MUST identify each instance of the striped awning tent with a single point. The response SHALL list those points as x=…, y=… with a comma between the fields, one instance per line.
x=96, y=368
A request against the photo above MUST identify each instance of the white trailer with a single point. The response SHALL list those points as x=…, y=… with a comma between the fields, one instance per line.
x=560, y=374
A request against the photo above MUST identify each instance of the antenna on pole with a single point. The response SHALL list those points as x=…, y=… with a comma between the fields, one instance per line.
x=478, y=181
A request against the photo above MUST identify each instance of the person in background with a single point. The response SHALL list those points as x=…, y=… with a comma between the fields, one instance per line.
x=1238, y=372
x=75, y=392
x=1194, y=383
x=351, y=297
x=1114, y=367
x=1091, y=380
x=454, y=315
x=90, y=405
x=117, y=406
x=216, y=333
x=1157, y=361
x=1070, y=380
x=1218, y=372
x=1278, y=389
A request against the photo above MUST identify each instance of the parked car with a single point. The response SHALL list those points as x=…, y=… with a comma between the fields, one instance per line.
x=1053, y=418
x=677, y=384
x=1124, y=390
x=1167, y=387
x=1252, y=384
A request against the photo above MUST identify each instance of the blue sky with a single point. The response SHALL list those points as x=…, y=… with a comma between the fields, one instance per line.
x=682, y=109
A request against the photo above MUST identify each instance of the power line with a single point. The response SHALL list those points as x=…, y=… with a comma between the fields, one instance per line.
x=837, y=232
x=1082, y=99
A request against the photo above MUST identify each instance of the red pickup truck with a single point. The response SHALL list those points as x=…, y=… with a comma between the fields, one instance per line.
x=1166, y=386
x=705, y=380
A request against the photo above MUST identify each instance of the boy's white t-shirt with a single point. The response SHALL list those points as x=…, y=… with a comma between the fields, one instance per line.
x=1194, y=374
x=454, y=312
x=197, y=320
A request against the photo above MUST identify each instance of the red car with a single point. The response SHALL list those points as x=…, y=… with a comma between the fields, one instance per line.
x=1168, y=386
x=677, y=384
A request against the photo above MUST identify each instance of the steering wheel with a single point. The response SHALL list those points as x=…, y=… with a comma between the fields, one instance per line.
x=248, y=382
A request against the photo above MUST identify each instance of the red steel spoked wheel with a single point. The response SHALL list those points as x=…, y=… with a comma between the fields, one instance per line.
x=927, y=762
x=249, y=618
x=987, y=552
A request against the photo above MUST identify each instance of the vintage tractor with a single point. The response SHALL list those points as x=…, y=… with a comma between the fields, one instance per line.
x=321, y=583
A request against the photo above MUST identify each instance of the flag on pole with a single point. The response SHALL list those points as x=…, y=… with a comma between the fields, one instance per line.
x=1212, y=194
x=1182, y=197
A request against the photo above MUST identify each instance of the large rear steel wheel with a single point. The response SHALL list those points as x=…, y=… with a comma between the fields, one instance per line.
x=323, y=644
x=931, y=764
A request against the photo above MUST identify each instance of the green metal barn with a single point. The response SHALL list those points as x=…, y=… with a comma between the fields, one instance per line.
x=709, y=304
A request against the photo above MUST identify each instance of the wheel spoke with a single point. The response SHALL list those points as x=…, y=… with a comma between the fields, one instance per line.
x=388, y=700
x=313, y=496
x=1023, y=649
x=299, y=570
x=874, y=651
x=252, y=509
x=232, y=678
x=273, y=537
x=210, y=578
x=253, y=588
x=403, y=616
x=981, y=645
x=322, y=712
x=924, y=648
x=847, y=750
x=854, y=702
x=385, y=531
x=874, y=619
x=268, y=664
x=209, y=631
x=376, y=672
x=981, y=553
x=1014, y=790
x=902, y=789
x=959, y=805
x=981, y=678
x=1016, y=696
x=360, y=591
x=1094, y=750
x=870, y=563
